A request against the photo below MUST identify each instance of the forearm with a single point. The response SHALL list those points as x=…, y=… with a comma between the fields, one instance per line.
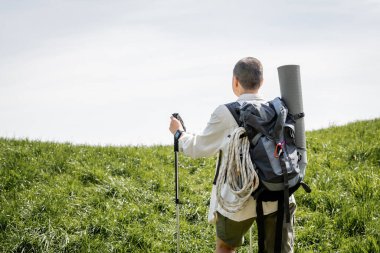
x=197, y=146
x=210, y=141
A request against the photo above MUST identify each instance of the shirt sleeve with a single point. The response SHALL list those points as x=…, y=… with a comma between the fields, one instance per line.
x=210, y=141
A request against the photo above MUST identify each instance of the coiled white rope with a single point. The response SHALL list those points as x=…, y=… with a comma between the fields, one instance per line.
x=238, y=173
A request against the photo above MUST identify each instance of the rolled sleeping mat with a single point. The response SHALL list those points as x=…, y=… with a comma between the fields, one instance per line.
x=291, y=92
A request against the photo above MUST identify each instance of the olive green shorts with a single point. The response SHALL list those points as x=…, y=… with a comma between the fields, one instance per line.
x=232, y=232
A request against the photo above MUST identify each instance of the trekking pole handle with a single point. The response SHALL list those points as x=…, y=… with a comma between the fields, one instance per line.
x=176, y=115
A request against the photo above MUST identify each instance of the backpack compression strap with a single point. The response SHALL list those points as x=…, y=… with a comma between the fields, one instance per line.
x=281, y=112
x=260, y=225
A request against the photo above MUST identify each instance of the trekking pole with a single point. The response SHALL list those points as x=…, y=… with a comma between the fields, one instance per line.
x=176, y=188
x=250, y=240
x=176, y=177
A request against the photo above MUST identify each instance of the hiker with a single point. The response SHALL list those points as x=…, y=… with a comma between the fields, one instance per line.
x=231, y=227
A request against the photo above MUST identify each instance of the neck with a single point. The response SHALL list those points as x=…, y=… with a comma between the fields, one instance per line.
x=241, y=92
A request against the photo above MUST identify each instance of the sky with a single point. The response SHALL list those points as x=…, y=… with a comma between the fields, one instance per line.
x=112, y=72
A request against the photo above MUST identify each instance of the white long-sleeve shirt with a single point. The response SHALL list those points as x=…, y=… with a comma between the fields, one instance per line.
x=214, y=139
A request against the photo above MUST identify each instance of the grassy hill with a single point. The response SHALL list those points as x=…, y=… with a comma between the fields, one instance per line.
x=67, y=198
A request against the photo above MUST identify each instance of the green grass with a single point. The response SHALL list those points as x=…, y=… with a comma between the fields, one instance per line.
x=68, y=198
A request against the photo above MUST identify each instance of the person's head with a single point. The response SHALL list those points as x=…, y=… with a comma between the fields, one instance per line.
x=247, y=76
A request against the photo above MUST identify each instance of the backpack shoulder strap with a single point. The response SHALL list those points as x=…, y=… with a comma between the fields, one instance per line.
x=234, y=110
x=281, y=112
x=277, y=104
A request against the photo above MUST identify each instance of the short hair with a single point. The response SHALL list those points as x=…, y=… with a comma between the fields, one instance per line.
x=249, y=72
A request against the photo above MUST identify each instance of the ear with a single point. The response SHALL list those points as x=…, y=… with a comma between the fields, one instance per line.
x=235, y=82
x=261, y=83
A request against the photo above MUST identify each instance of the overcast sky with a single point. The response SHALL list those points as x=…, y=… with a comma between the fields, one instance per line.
x=112, y=72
